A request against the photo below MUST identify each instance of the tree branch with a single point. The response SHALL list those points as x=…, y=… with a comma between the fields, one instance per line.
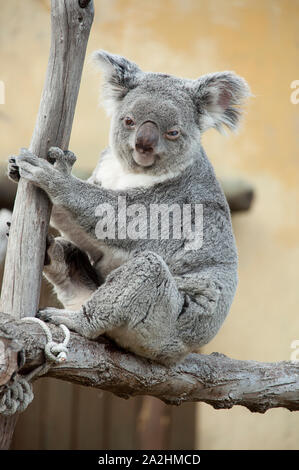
x=214, y=379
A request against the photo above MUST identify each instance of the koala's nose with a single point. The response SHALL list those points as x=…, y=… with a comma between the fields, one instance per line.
x=147, y=137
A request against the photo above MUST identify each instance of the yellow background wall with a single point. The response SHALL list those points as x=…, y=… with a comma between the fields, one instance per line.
x=259, y=39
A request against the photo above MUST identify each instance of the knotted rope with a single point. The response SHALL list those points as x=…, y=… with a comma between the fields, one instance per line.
x=55, y=352
x=19, y=394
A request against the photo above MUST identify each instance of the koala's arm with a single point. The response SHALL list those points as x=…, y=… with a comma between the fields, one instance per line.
x=67, y=192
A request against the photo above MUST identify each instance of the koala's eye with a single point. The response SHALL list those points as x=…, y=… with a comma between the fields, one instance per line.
x=129, y=122
x=173, y=134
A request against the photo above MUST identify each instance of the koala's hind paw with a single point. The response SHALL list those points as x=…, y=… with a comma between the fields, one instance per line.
x=58, y=316
x=63, y=159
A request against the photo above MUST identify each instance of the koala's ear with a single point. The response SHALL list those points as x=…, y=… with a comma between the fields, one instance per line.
x=120, y=75
x=218, y=98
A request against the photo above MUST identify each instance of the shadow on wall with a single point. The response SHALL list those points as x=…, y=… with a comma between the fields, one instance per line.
x=238, y=192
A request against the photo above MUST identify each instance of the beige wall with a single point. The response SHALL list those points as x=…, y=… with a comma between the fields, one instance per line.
x=259, y=39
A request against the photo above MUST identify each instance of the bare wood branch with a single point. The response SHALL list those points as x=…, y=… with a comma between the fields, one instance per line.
x=27, y=241
x=214, y=379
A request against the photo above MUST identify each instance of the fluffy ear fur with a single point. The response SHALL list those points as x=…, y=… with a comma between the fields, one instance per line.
x=120, y=75
x=218, y=98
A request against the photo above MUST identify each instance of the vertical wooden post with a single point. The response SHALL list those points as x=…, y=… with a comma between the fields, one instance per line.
x=71, y=23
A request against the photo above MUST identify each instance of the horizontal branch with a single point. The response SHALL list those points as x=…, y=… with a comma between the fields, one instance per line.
x=214, y=379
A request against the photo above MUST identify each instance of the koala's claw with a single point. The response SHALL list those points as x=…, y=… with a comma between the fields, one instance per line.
x=49, y=314
x=8, y=228
x=13, y=170
x=59, y=316
x=58, y=154
x=25, y=165
x=63, y=159
x=41, y=173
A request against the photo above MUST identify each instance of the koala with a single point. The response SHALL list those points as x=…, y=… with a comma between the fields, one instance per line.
x=138, y=275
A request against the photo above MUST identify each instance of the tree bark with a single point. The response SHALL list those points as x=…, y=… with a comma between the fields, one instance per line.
x=214, y=379
x=26, y=247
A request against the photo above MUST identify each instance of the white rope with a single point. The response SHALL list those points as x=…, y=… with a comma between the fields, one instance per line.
x=17, y=397
x=19, y=394
x=55, y=352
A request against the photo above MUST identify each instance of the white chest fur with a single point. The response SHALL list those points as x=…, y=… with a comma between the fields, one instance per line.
x=111, y=175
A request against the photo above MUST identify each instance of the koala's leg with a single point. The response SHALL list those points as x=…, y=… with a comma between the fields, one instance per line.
x=151, y=313
x=206, y=304
x=137, y=306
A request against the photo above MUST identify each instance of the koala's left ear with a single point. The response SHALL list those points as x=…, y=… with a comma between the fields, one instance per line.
x=120, y=75
x=218, y=98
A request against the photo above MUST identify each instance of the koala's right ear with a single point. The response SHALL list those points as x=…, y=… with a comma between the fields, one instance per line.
x=120, y=76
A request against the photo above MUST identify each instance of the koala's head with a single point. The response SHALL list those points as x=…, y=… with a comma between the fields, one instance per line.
x=157, y=119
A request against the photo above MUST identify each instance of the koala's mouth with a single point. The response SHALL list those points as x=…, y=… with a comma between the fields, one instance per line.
x=144, y=159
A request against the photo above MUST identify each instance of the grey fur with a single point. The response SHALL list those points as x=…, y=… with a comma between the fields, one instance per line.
x=158, y=300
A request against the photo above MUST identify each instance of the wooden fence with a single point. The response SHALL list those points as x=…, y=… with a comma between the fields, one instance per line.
x=67, y=416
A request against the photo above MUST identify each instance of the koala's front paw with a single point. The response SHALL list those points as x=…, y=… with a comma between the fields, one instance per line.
x=69, y=318
x=13, y=170
x=31, y=167
x=63, y=159
x=41, y=173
